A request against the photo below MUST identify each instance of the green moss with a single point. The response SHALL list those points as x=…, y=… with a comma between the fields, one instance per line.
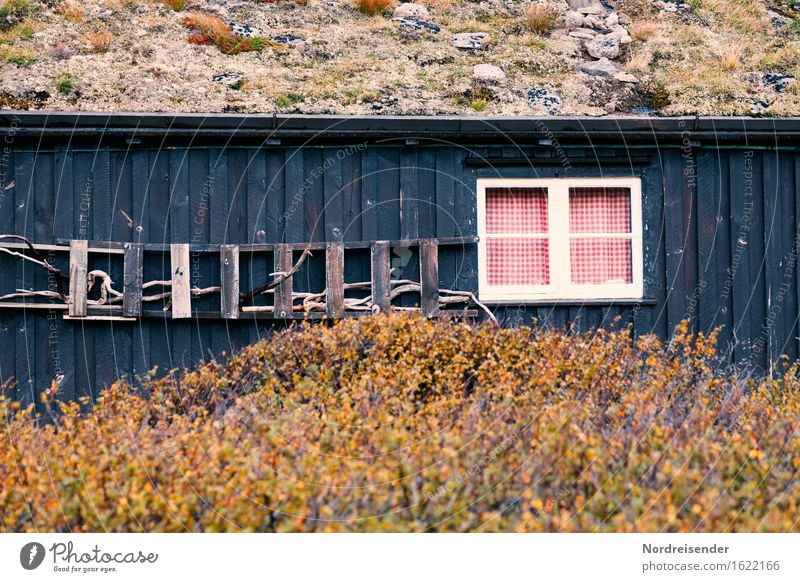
x=258, y=43
x=477, y=98
x=288, y=100
x=65, y=83
x=658, y=95
x=11, y=102
x=478, y=104
x=538, y=42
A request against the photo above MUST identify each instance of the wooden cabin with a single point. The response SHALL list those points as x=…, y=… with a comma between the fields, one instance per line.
x=132, y=242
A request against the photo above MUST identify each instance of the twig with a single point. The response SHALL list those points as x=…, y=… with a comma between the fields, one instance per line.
x=247, y=298
x=25, y=293
x=42, y=260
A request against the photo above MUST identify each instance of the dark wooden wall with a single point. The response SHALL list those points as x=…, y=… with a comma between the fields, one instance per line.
x=721, y=235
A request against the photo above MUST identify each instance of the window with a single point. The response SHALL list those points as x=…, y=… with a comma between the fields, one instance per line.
x=560, y=239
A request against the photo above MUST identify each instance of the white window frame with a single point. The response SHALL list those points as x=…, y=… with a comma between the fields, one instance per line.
x=561, y=288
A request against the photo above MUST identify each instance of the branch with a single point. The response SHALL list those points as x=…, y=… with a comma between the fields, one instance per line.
x=247, y=298
x=42, y=261
x=25, y=293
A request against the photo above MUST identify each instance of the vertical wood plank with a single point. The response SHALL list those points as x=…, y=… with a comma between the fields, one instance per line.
x=380, y=276
x=369, y=194
x=388, y=194
x=409, y=194
x=466, y=213
x=747, y=255
x=141, y=352
x=181, y=291
x=351, y=196
x=332, y=186
x=444, y=211
x=780, y=257
x=675, y=235
x=426, y=193
x=229, y=277
x=294, y=194
x=283, y=292
x=429, y=276
x=103, y=196
x=180, y=334
x=158, y=198
x=219, y=200
x=78, y=259
x=274, y=202
x=122, y=190
x=334, y=279
x=237, y=196
x=796, y=232
x=132, y=280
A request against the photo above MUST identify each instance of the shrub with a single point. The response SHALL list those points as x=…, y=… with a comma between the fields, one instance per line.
x=540, y=19
x=99, y=41
x=65, y=83
x=403, y=424
x=372, y=7
x=212, y=30
x=71, y=10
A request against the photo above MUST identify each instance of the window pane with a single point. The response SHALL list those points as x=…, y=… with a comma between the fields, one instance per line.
x=600, y=260
x=606, y=210
x=516, y=210
x=518, y=261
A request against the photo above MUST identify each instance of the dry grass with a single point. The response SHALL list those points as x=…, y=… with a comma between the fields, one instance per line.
x=20, y=56
x=643, y=30
x=99, y=41
x=71, y=10
x=540, y=19
x=640, y=61
x=733, y=57
x=373, y=7
x=20, y=32
x=207, y=24
x=440, y=6
x=744, y=16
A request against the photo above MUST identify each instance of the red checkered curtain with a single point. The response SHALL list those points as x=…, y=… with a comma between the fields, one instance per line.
x=516, y=210
x=602, y=210
x=517, y=260
x=596, y=260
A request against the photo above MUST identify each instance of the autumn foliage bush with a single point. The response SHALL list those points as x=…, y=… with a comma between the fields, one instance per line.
x=210, y=29
x=403, y=424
